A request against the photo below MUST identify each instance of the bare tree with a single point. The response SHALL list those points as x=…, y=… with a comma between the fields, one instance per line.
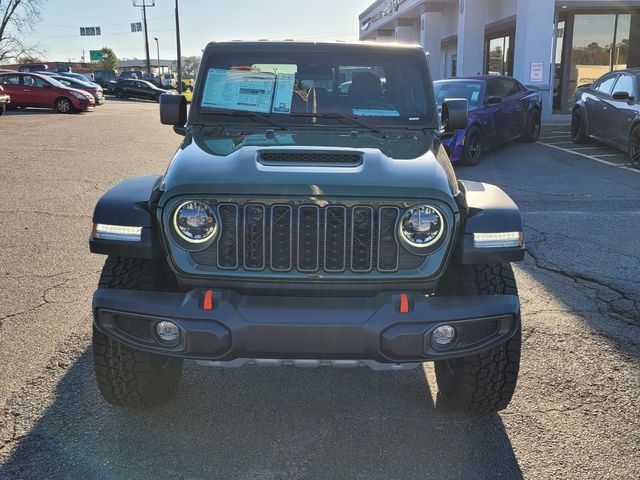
x=16, y=17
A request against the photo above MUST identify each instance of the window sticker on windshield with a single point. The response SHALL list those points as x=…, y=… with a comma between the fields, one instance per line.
x=284, y=93
x=474, y=96
x=239, y=90
x=375, y=113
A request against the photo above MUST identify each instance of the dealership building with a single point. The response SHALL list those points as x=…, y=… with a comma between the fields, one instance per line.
x=550, y=44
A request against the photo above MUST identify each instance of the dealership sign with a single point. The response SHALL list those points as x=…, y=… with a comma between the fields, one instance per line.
x=389, y=9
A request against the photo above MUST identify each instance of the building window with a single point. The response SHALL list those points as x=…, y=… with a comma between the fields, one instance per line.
x=498, y=52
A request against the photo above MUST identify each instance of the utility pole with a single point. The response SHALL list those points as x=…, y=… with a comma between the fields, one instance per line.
x=179, y=65
x=144, y=4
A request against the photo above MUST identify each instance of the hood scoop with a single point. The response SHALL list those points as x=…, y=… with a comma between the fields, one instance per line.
x=310, y=158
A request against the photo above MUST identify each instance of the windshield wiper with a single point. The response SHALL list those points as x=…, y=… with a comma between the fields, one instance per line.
x=251, y=115
x=342, y=118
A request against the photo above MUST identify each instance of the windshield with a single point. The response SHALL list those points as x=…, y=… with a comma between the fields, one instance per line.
x=56, y=83
x=385, y=88
x=458, y=89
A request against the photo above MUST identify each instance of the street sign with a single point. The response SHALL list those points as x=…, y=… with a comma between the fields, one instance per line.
x=136, y=27
x=95, y=55
x=90, y=31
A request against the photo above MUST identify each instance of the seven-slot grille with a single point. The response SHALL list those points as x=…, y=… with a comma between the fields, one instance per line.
x=308, y=238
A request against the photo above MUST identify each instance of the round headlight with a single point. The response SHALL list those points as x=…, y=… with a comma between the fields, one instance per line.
x=421, y=226
x=195, y=222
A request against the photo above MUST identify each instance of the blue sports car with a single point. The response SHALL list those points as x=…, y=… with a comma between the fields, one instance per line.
x=501, y=110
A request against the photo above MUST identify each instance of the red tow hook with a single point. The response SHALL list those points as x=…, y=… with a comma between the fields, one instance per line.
x=207, y=301
x=404, y=303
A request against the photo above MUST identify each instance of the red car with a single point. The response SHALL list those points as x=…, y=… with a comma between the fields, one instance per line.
x=4, y=100
x=33, y=90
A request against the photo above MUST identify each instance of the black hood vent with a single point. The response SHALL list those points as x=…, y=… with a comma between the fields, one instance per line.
x=294, y=157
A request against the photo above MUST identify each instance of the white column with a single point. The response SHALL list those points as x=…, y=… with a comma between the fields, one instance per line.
x=407, y=33
x=471, y=37
x=430, y=39
x=534, y=44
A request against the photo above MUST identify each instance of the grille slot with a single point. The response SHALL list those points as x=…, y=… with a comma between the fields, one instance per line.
x=325, y=158
x=229, y=239
x=362, y=239
x=254, y=237
x=308, y=238
x=299, y=237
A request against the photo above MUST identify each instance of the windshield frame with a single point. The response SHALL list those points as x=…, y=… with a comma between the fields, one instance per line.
x=215, y=54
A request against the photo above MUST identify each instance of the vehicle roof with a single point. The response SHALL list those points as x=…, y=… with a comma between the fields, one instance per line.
x=337, y=45
x=481, y=78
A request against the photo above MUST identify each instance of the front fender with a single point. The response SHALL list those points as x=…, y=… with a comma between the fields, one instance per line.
x=126, y=204
x=490, y=210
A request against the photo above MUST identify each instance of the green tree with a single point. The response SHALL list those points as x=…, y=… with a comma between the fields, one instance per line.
x=18, y=17
x=190, y=66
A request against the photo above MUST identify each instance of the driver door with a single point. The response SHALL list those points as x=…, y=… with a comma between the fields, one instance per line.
x=499, y=114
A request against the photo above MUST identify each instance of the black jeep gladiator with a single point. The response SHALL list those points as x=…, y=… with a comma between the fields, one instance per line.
x=310, y=217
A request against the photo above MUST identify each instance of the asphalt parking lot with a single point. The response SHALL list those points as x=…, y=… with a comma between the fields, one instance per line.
x=575, y=413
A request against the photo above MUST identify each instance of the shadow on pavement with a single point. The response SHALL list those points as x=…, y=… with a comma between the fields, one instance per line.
x=261, y=423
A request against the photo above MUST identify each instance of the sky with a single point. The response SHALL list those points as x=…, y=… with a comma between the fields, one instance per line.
x=200, y=22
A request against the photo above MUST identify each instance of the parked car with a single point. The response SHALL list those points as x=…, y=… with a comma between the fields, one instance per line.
x=501, y=110
x=34, y=90
x=133, y=74
x=83, y=77
x=169, y=80
x=609, y=111
x=4, y=100
x=33, y=67
x=137, y=89
x=103, y=77
x=317, y=231
x=96, y=91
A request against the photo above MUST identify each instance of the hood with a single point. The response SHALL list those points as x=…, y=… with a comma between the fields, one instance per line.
x=205, y=166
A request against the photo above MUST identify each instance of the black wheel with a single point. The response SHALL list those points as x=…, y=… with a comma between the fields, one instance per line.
x=634, y=146
x=472, y=149
x=63, y=105
x=119, y=93
x=127, y=377
x=482, y=383
x=157, y=98
x=578, y=127
x=3, y=109
x=533, y=128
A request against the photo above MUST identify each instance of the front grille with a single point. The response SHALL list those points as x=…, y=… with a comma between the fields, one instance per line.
x=308, y=239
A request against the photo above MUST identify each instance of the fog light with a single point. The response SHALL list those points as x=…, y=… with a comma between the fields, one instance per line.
x=444, y=335
x=168, y=332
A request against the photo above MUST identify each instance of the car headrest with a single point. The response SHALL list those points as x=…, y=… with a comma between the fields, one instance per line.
x=365, y=86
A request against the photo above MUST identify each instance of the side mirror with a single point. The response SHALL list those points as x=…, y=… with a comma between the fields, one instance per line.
x=493, y=100
x=622, y=96
x=173, y=111
x=455, y=114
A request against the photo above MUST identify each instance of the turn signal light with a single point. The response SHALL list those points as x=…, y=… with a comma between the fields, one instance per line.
x=404, y=303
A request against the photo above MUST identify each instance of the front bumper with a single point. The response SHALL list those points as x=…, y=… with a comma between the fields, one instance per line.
x=454, y=145
x=5, y=100
x=329, y=328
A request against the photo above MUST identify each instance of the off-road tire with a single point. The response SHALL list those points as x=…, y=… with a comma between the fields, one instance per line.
x=578, y=127
x=472, y=149
x=533, y=127
x=127, y=377
x=483, y=383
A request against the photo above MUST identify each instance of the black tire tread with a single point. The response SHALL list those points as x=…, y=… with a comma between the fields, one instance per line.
x=581, y=137
x=465, y=159
x=127, y=377
x=482, y=383
x=529, y=135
